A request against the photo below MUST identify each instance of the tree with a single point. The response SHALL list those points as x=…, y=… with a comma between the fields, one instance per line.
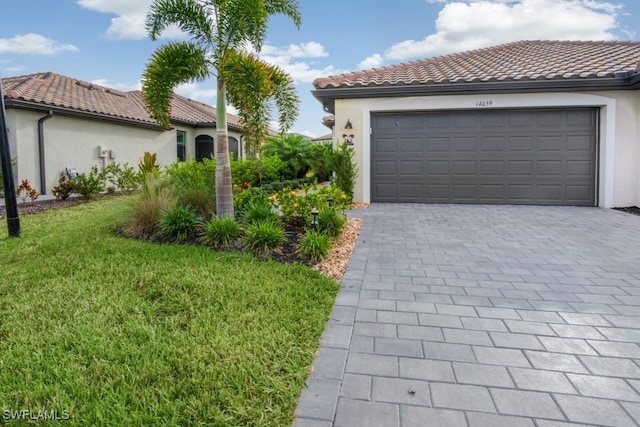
x=222, y=32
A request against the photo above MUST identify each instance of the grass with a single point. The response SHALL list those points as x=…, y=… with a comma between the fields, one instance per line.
x=116, y=331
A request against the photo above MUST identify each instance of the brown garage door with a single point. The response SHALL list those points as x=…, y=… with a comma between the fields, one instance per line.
x=538, y=157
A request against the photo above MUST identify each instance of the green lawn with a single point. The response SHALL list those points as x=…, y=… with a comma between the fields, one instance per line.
x=115, y=331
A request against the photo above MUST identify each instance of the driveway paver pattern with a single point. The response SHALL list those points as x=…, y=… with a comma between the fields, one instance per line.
x=465, y=315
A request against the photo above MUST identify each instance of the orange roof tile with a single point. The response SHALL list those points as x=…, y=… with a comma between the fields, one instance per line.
x=55, y=90
x=518, y=61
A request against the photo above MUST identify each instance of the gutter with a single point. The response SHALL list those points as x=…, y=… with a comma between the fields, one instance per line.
x=43, y=180
x=327, y=96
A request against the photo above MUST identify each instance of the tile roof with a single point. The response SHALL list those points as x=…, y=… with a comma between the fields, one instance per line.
x=55, y=90
x=518, y=61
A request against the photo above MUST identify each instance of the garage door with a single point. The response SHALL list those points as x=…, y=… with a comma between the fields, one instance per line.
x=538, y=157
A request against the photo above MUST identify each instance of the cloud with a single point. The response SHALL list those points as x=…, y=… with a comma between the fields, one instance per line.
x=129, y=22
x=292, y=60
x=198, y=92
x=471, y=24
x=374, y=61
x=34, y=44
x=123, y=87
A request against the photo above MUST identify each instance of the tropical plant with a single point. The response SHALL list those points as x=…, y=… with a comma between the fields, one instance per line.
x=314, y=246
x=64, y=188
x=88, y=184
x=155, y=197
x=294, y=150
x=194, y=183
x=331, y=221
x=259, y=211
x=149, y=164
x=262, y=236
x=220, y=231
x=26, y=192
x=178, y=221
x=221, y=32
x=122, y=177
x=345, y=169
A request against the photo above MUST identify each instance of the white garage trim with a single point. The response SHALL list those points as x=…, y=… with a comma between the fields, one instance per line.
x=606, y=135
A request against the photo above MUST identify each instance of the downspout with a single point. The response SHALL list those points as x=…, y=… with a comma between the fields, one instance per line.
x=43, y=180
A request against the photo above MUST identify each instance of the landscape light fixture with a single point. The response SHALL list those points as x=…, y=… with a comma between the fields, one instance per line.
x=330, y=202
x=314, y=219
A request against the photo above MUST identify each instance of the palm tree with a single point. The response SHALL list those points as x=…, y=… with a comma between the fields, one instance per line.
x=221, y=32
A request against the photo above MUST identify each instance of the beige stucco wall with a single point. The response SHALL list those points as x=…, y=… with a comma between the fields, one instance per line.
x=619, y=132
x=74, y=142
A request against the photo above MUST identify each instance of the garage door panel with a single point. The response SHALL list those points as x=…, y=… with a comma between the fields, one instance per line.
x=584, y=143
x=411, y=168
x=465, y=168
x=579, y=168
x=550, y=168
x=438, y=145
x=536, y=156
x=521, y=144
x=551, y=143
x=385, y=145
x=386, y=168
x=466, y=144
x=411, y=145
x=493, y=144
x=492, y=168
x=438, y=168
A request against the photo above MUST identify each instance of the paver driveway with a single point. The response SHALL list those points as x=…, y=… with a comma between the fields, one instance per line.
x=459, y=315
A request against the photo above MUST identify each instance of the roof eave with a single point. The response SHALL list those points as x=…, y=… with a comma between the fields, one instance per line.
x=327, y=96
x=70, y=112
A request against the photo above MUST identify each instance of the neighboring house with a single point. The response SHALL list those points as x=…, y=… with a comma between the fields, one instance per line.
x=530, y=122
x=55, y=122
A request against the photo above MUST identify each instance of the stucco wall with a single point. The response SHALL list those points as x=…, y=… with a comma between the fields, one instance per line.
x=619, y=132
x=73, y=142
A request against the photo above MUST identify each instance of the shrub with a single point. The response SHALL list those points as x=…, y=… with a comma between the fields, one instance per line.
x=258, y=211
x=220, y=231
x=155, y=197
x=263, y=236
x=294, y=150
x=330, y=221
x=195, y=184
x=243, y=197
x=149, y=164
x=178, y=221
x=314, y=246
x=26, y=192
x=121, y=177
x=64, y=188
x=88, y=184
x=346, y=171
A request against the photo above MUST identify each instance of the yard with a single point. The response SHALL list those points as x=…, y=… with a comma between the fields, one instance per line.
x=107, y=330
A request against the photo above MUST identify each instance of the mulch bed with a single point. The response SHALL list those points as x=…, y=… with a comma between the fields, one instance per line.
x=45, y=205
x=630, y=209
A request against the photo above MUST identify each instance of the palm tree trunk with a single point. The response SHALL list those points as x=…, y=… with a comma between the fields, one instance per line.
x=224, y=187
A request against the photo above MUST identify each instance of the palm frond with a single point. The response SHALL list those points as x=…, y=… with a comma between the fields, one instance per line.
x=190, y=16
x=170, y=65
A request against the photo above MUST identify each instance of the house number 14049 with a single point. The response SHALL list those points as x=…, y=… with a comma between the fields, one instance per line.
x=485, y=103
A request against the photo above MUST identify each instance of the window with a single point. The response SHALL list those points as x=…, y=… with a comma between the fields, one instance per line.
x=181, y=138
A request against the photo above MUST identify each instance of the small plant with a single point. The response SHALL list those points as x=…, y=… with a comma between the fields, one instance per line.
x=262, y=236
x=258, y=211
x=154, y=198
x=121, y=177
x=314, y=246
x=26, y=192
x=220, y=231
x=179, y=222
x=330, y=221
x=88, y=184
x=64, y=188
x=149, y=164
x=345, y=169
